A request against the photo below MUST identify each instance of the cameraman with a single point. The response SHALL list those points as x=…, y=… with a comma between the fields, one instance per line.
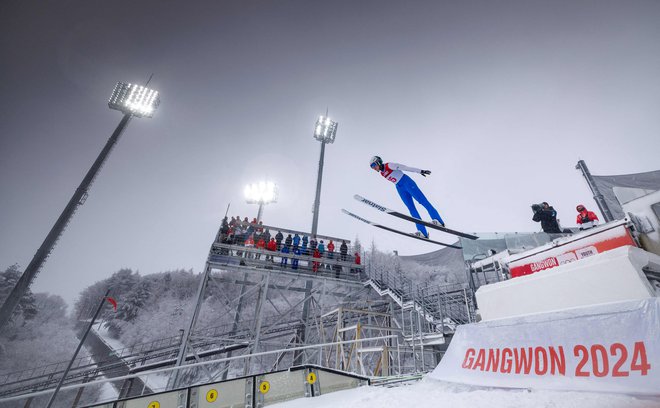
x=547, y=216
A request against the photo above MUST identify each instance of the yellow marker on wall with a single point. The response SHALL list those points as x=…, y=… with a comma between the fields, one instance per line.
x=264, y=387
x=311, y=378
x=154, y=404
x=211, y=396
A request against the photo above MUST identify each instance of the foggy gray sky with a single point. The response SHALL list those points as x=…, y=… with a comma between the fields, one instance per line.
x=498, y=99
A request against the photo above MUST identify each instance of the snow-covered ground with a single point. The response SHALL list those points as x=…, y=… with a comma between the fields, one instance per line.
x=103, y=333
x=157, y=382
x=430, y=392
x=433, y=393
x=108, y=392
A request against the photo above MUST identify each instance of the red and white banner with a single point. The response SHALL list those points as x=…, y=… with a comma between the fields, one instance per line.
x=572, y=250
x=605, y=348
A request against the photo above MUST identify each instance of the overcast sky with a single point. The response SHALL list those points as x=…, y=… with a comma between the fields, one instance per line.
x=498, y=99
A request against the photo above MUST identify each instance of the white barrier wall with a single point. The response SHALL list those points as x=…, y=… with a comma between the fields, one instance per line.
x=606, y=348
x=612, y=276
x=252, y=391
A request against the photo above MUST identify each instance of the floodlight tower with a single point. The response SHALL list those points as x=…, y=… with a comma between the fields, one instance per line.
x=325, y=132
x=263, y=192
x=132, y=100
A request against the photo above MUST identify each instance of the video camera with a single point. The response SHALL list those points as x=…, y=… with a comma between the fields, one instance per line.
x=537, y=207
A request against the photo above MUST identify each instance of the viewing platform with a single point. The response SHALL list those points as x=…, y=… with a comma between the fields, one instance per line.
x=231, y=251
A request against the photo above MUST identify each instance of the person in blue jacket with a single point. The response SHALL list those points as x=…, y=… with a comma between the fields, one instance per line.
x=407, y=189
x=296, y=241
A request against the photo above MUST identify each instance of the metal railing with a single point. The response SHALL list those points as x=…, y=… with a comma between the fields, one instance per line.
x=329, y=266
x=203, y=372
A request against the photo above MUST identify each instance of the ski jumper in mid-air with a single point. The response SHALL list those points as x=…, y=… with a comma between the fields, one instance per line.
x=408, y=190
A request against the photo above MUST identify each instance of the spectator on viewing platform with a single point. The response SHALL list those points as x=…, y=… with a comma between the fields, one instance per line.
x=260, y=227
x=278, y=239
x=261, y=245
x=331, y=249
x=294, y=260
x=586, y=219
x=229, y=238
x=343, y=251
x=239, y=238
x=304, y=244
x=224, y=230
x=330, y=253
x=266, y=236
x=238, y=235
x=272, y=246
x=284, y=260
x=249, y=243
x=312, y=245
x=321, y=248
x=358, y=261
x=287, y=241
x=315, y=264
x=547, y=216
x=296, y=241
x=232, y=223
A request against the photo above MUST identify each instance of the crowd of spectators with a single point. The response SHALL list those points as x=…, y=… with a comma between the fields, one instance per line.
x=253, y=234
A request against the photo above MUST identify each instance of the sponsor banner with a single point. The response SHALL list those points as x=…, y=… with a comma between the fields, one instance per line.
x=572, y=251
x=605, y=348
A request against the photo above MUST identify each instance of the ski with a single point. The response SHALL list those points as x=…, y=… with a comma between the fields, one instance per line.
x=412, y=219
x=397, y=231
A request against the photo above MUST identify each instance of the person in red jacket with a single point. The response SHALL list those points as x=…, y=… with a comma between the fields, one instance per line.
x=358, y=261
x=315, y=264
x=261, y=244
x=272, y=246
x=586, y=219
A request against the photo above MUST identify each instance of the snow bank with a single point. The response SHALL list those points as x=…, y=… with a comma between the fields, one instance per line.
x=612, y=276
x=609, y=348
x=433, y=393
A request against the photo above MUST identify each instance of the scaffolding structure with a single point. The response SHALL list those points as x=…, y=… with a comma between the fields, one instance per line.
x=329, y=312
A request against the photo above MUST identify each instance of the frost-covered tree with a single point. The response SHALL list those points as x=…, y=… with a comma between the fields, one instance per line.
x=357, y=245
x=48, y=337
x=26, y=308
x=149, y=307
x=134, y=301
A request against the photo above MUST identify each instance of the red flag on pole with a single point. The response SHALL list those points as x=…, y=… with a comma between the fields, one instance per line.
x=112, y=301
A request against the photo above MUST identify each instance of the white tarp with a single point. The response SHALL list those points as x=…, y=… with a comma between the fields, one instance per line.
x=606, y=184
x=604, y=348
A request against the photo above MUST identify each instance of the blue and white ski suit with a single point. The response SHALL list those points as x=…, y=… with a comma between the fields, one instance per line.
x=407, y=189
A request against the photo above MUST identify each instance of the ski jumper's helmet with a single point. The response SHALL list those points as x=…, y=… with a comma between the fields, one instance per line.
x=376, y=160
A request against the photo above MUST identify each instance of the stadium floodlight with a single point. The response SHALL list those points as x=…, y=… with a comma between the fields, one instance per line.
x=133, y=101
x=262, y=193
x=325, y=131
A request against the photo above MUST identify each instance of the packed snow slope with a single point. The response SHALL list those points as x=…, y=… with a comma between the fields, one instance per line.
x=434, y=393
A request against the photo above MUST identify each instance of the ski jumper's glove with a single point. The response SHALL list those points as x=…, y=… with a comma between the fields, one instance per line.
x=425, y=172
